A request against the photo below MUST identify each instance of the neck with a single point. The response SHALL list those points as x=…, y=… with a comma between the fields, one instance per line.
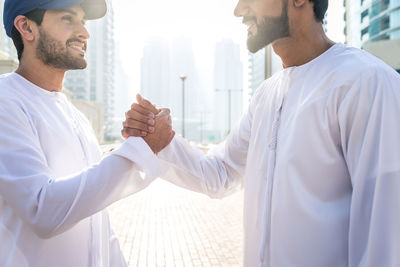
x=44, y=76
x=302, y=46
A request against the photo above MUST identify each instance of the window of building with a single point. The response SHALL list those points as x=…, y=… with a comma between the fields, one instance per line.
x=364, y=32
x=374, y=28
x=384, y=5
x=375, y=9
x=385, y=23
x=364, y=14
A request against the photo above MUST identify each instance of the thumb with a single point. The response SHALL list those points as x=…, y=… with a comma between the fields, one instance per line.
x=146, y=104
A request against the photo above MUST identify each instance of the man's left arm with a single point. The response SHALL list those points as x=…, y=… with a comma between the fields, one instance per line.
x=370, y=138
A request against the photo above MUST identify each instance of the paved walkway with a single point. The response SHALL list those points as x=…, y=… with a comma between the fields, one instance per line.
x=167, y=226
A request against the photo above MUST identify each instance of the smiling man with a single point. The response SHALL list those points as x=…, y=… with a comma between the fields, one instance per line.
x=317, y=152
x=53, y=183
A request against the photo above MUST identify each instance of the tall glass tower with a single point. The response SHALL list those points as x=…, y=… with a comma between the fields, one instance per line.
x=374, y=25
x=372, y=21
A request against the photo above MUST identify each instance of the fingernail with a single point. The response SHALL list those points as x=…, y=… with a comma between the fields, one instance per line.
x=143, y=133
x=151, y=115
x=151, y=121
x=151, y=129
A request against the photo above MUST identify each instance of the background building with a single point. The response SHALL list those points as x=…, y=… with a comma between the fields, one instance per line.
x=262, y=65
x=155, y=73
x=228, y=88
x=208, y=117
x=374, y=25
x=8, y=54
x=96, y=84
x=162, y=65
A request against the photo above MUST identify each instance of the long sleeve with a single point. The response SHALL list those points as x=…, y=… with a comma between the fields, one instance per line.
x=51, y=205
x=370, y=133
x=217, y=174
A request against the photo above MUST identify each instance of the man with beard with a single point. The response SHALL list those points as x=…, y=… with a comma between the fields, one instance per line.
x=317, y=152
x=53, y=183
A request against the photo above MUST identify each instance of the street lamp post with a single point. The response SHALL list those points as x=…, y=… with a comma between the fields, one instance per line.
x=229, y=91
x=183, y=78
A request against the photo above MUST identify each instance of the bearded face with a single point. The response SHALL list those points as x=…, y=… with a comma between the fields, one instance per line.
x=268, y=30
x=59, y=54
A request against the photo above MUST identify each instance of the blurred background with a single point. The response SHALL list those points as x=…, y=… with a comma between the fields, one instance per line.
x=191, y=57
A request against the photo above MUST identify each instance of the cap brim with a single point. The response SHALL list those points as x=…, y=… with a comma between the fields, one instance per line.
x=94, y=9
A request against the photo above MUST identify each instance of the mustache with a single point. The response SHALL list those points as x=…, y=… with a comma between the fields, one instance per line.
x=249, y=18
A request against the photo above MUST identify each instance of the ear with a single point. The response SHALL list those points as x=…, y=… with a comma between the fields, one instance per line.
x=299, y=3
x=25, y=27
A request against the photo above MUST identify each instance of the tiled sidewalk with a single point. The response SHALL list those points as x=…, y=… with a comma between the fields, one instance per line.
x=167, y=226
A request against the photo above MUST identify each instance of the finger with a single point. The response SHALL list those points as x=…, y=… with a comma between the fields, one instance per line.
x=164, y=111
x=134, y=124
x=146, y=104
x=143, y=111
x=127, y=132
x=134, y=115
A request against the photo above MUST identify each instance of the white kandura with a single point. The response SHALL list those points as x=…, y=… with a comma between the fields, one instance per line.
x=318, y=156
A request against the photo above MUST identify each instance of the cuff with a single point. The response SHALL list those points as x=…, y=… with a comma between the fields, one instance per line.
x=167, y=153
x=136, y=150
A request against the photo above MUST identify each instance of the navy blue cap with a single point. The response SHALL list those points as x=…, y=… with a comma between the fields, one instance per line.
x=94, y=9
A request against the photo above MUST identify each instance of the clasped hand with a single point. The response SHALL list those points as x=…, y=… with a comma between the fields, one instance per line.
x=145, y=120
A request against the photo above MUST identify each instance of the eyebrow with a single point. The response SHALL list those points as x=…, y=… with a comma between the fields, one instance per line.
x=67, y=11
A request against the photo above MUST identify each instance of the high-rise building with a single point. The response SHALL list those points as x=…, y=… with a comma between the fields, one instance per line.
x=155, y=73
x=162, y=65
x=102, y=61
x=228, y=87
x=371, y=21
x=374, y=25
x=8, y=54
x=96, y=83
x=183, y=63
x=262, y=65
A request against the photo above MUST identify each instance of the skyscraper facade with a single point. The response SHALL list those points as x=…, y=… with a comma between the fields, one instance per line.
x=262, y=65
x=162, y=65
x=96, y=83
x=8, y=54
x=374, y=25
x=228, y=87
x=155, y=73
x=371, y=21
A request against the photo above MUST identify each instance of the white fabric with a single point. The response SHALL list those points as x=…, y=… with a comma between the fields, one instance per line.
x=318, y=156
x=54, y=184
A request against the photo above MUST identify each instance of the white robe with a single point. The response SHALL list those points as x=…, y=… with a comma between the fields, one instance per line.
x=318, y=156
x=54, y=185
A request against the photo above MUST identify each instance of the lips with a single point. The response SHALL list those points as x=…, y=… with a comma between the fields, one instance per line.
x=251, y=23
x=77, y=45
x=252, y=27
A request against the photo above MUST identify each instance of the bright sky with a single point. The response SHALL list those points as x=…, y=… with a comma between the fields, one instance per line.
x=205, y=21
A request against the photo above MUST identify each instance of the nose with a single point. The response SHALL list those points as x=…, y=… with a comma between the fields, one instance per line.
x=241, y=9
x=83, y=32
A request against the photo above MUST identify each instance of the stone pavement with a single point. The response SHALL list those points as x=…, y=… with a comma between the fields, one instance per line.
x=168, y=226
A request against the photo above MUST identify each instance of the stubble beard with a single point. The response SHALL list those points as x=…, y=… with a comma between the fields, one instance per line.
x=55, y=54
x=271, y=30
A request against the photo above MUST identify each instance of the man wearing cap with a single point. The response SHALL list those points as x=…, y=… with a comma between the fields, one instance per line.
x=53, y=183
x=317, y=152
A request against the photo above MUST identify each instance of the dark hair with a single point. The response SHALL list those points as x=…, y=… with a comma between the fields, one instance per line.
x=320, y=7
x=35, y=15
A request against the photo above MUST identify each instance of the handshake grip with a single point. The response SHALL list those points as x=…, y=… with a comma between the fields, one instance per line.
x=152, y=124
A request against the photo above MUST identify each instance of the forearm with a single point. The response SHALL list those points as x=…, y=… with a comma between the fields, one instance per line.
x=214, y=175
x=51, y=205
